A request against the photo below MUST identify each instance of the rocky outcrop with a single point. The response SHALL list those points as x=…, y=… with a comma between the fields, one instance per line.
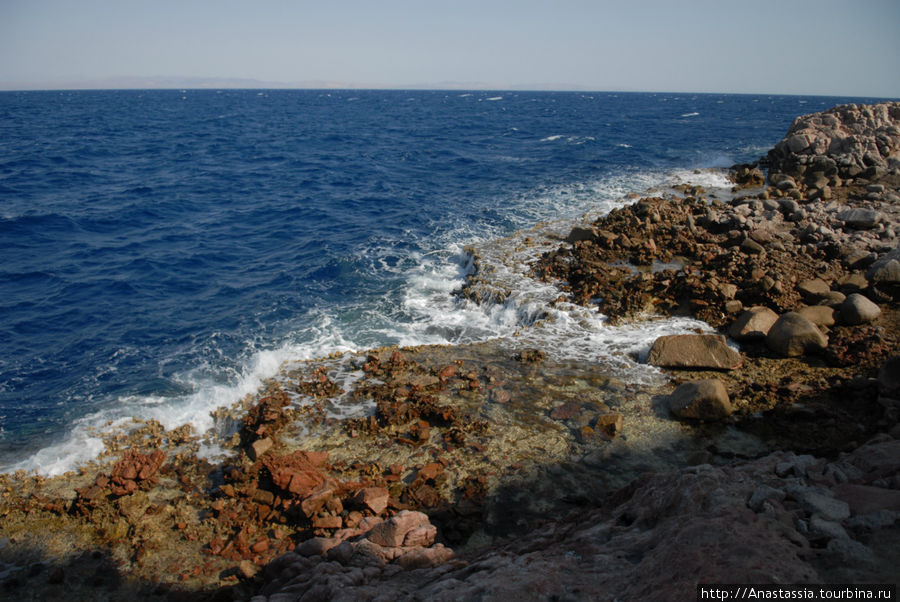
x=783, y=518
x=848, y=141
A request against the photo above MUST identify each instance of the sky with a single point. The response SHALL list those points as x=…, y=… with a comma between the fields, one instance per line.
x=809, y=47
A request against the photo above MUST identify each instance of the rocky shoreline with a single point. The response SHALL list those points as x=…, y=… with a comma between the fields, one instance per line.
x=491, y=471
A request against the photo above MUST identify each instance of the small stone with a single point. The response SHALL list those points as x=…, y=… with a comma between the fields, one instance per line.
x=609, y=424
x=857, y=309
x=247, y=569
x=701, y=400
x=752, y=247
x=884, y=271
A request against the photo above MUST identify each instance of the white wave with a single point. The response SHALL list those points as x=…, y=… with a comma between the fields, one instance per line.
x=552, y=138
x=690, y=114
x=494, y=98
x=425, y=309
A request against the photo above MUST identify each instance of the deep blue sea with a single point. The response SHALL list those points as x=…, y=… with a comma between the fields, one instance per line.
x=163, y=252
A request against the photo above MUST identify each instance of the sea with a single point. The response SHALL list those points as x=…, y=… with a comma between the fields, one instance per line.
x=165, y=252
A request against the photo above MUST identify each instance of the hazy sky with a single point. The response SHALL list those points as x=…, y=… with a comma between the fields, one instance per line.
x=833, y=47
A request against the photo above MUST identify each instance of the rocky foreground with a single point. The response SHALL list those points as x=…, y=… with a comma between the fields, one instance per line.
x=492, y=472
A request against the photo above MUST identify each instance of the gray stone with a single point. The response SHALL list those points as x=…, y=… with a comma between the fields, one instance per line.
x=762, y=494
x=753, y=324
x=815, y=502
x=701, y=400
x=693, y=351
x=860, y=219
x=826, y=529
x=857, y=309
x=793, y=335
x=884, y=271
x=752, y=247
x=813, y=290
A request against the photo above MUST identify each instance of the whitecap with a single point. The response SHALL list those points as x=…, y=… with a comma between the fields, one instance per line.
x=690, y=114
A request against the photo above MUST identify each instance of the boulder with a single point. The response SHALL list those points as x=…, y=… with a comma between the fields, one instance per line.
x=814, y=290
x=753, y=324
x=860, y=219
x=884, y=271
x=393, y=532
x=708, y=351
x=857, y=309
x=820, y=315
x=793, y=335
x=701, y=400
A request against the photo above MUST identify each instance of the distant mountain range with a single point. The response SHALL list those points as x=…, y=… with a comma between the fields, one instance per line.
x=169, y=82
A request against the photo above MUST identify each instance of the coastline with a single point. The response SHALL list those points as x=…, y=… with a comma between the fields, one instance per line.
x=501, y=447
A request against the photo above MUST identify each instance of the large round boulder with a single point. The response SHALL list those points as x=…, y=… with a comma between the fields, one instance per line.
x=793, y=335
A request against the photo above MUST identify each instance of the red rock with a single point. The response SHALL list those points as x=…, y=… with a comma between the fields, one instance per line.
x=373, y=498
x=316, y=500
x=327, y=522
x=425, y=557
x=570, y=409
x=260, y=546
x=392, y=532
x=431, y=470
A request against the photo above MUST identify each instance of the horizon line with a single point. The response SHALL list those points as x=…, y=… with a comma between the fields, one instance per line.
x=214, y=83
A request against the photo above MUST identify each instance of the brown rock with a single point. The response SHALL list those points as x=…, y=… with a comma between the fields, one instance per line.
x=570, y=409
x=609, y=424
x=753, y=324
x=708, y=351
x=793, y=335
x=813, y=290
x=247, y=569
x=820, y=315
x=259, y=447
x=701, y=400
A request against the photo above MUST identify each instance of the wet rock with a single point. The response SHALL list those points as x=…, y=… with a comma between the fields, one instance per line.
x=793, y=335
x=753, y=324
x=857, y=309
x=609, y=425
x=701, y=400
x=707, y=351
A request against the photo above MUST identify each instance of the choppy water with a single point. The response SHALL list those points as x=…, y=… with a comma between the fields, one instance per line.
x=163, y=252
